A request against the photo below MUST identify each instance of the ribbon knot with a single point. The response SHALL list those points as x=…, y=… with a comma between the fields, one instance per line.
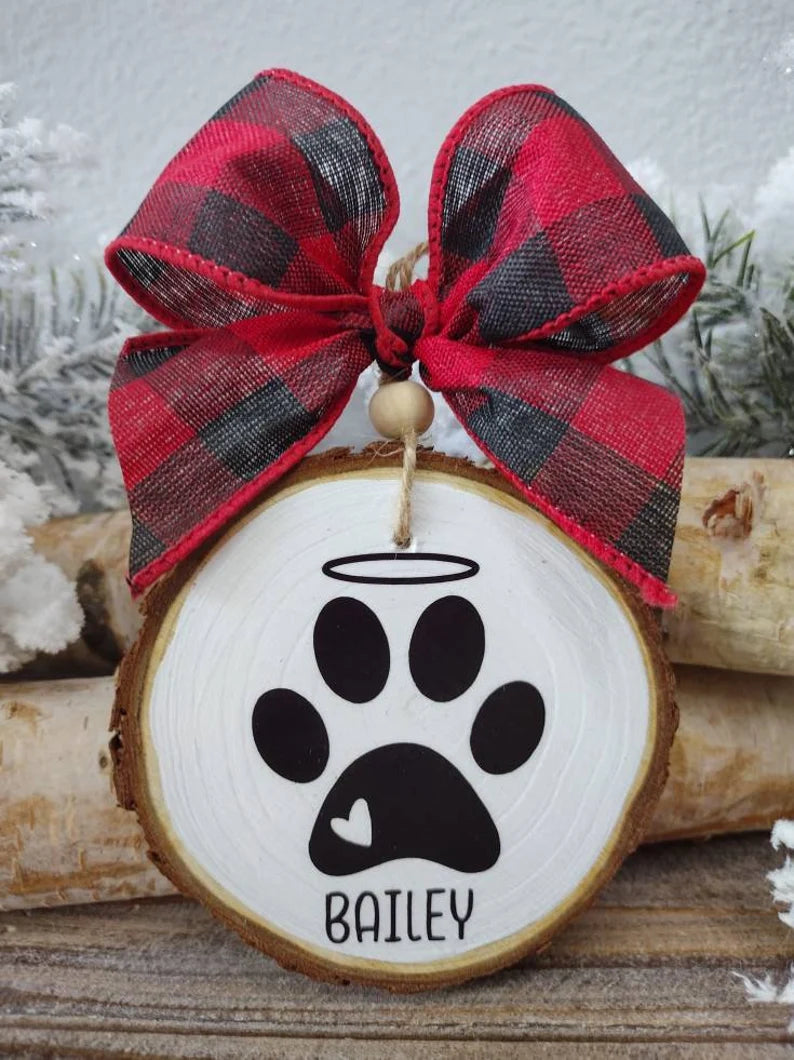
x=257, y=247
x=406, y=316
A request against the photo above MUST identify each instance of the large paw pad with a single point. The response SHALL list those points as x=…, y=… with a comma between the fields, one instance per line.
x=403, y=799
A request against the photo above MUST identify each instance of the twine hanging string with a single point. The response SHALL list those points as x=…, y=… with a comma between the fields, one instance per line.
x=399, y=278
x=400, y=275
x=402, y=523
x=540, y=279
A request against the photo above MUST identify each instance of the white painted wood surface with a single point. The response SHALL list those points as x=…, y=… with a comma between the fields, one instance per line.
x=63, y=839
x=735, y=579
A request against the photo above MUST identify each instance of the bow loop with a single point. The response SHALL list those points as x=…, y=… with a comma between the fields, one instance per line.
x=258, y=244
x=284, y=194
x=402, y=317
x=204, y=420
x=539, y=237
x=598, y=450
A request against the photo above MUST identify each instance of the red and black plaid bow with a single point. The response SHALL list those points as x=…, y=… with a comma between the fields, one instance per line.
x=258, y=244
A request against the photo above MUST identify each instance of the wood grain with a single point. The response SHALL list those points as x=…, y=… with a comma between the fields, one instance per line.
x=92, y=552
x=647, y=972
x=735, y=592
x=140, y=786
x=64, y=840
x=732, y=762
x=733, y=566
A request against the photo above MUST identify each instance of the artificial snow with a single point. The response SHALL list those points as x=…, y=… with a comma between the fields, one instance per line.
x=31, y=159
x=769, y=210
x=61, y=330
x=782, y=880
x=53, y=383
x=53, y=391
x=39, y=610
x=772, y=217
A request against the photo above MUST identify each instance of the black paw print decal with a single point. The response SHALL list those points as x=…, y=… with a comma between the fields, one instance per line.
x=403, y=799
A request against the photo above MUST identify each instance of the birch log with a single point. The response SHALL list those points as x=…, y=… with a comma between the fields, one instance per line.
x=732, y=762
x=63, y=839
x=732, y=567
x=92, y=551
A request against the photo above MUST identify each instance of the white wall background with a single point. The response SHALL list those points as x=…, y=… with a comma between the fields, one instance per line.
x=704, y=88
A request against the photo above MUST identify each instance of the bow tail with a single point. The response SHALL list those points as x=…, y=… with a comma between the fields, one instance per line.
x=597, y=450
x=205, y=420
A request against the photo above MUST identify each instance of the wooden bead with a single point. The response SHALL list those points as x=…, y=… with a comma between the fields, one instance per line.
x=397, y=407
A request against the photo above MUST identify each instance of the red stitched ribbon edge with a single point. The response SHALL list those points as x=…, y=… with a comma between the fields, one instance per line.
x=154, y=370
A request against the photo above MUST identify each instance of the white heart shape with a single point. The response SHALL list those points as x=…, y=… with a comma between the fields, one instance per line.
x=357, y=826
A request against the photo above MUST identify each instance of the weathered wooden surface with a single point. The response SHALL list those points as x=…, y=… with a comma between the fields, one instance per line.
x=64, y=840
x=734, y=576
x=645, y=973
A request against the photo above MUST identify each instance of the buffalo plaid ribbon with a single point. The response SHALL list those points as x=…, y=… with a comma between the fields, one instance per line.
x=257, y=246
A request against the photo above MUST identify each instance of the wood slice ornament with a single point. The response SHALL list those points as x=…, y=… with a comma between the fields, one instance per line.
x=402, y=768
x=398, y=756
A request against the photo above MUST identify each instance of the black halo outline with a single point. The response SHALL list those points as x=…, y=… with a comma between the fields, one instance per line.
x=471, y=567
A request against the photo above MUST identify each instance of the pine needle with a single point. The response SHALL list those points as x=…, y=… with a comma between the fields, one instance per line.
x=732, y=360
